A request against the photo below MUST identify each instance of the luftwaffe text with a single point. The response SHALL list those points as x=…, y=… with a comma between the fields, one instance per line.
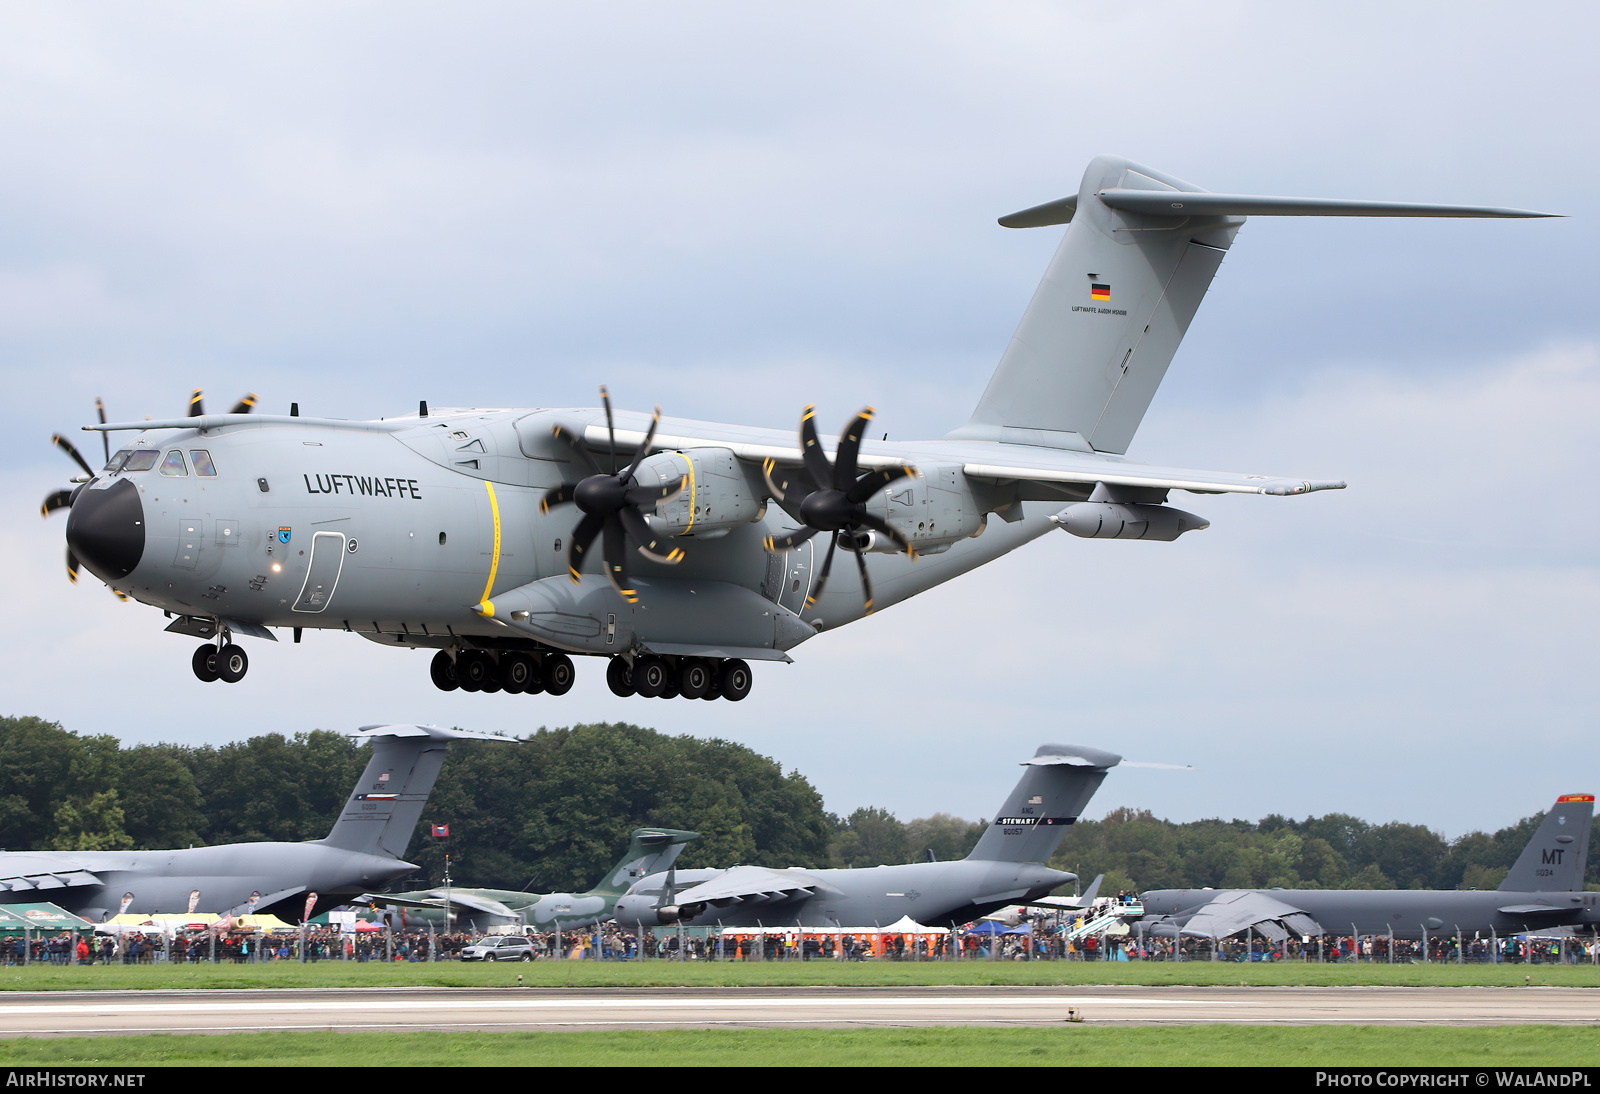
x=364, y=485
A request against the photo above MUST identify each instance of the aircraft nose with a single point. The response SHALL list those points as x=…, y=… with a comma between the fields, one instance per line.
x=105, y=530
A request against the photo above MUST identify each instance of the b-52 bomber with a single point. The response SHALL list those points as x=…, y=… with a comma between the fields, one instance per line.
x=510, y=540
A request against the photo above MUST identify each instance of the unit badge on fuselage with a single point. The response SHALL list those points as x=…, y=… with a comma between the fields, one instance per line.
x=284, y=534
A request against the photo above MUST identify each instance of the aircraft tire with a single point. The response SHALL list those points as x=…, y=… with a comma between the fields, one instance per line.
x=517, y=671
x=696, y=678
x=619, y=677
x=232, y=664
x=650, y=676
x=204, y=663
x=734, y=679
x=559, y=673
x=473, y=669
x=443, y=671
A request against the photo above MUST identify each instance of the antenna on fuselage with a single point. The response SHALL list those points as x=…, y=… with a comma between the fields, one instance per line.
x=422, y=409
x=294, y=410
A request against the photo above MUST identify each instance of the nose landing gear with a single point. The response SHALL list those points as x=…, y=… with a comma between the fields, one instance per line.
x=228, y=663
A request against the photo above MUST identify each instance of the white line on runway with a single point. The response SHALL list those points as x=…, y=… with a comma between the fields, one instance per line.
x=214, y=1007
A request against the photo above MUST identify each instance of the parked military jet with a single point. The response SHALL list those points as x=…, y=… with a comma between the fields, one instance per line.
x=1006, y=867
x=508, y=540
x=1544, y=889
x=362, y=851
x=649, y=850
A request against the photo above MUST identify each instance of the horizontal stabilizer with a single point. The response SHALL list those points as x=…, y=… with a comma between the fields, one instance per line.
x=1174, y=203
x=1533, y=909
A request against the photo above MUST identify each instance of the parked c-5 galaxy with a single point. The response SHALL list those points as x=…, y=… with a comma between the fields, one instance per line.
x=509, y=539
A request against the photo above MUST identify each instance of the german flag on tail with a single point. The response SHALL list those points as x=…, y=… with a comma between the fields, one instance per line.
x=1100, y=292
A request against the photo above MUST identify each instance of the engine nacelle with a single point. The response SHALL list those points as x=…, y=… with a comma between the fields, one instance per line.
x=932, y=510
x=1127, y=520
x=717, y=494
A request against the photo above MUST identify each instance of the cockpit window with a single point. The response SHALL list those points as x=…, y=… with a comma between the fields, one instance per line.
x=143, y=459
x=202, y=462
x=118, y=458
x=174, y=466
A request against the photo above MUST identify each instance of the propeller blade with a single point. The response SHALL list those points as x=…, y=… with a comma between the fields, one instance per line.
x=844, y=457
x=562, y=493
x=645, y=540
x=56, y=499
x=576, y=445
x=822, y=579
x=105, y=438
x=70, y=449
x=582, y=536
x=811, y=451
x=72, y=566
x=788, y=541
x=866, y=582
x=788, y=488
x=884, y=528
x=616, y=553
x=197, y=405
x=611, y=426
x=649, y=498
x=873, y=481
x=644, y=449
x=245, y=405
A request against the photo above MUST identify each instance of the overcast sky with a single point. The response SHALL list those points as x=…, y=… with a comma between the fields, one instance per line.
x=733, y=211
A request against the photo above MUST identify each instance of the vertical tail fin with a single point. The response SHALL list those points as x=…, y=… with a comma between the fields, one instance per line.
x=1558, y=854
x=1139, y=254
x=650, y=851
x=387, y=802
x=1058, y=783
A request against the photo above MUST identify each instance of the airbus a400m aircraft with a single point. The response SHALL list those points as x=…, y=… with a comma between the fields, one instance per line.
x=509, y=540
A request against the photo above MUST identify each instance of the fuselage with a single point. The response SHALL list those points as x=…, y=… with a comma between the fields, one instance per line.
x=212, y=879
x=403, y=530
x=930, y=893
x=545, y=911
x=1408, y=912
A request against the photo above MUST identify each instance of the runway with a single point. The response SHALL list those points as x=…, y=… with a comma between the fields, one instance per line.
x=525, y=1009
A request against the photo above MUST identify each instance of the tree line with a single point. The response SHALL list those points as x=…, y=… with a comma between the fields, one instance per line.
x=553, y=812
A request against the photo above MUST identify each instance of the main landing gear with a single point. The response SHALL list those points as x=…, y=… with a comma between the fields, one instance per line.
x=686, y=677
x=227, y=663
x=653, y=677
x=513, y=672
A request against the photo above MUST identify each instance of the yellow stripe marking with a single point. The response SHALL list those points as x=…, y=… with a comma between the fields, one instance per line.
x=494, y=564
x=689, y=529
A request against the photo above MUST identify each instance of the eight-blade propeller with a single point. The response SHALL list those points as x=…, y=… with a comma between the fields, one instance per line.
x=832, y=498
x=614, y=507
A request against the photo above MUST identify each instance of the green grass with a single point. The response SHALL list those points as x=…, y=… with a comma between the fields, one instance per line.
x=341, y=974
x=1076, y=1046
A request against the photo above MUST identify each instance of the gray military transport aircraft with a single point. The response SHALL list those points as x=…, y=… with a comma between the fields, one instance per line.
x=1544, y=889
x=649, y=850
x=363, y=851
x=508, y=540
x=1006, y=867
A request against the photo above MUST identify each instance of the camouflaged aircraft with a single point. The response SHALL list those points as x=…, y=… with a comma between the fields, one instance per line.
x=649, y=850
x=510, y=540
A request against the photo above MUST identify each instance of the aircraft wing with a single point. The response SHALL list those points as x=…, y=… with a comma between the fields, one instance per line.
x=1231, y=912
x=1030, y=464
x=476, y=903
x=65, y=878
x=752, y=885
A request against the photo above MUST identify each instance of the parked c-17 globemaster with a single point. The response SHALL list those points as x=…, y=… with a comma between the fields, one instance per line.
x=509, y=540
x=1543, y=890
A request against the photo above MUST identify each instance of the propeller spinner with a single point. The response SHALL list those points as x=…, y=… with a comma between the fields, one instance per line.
x=614, y=508
x=832, y=498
